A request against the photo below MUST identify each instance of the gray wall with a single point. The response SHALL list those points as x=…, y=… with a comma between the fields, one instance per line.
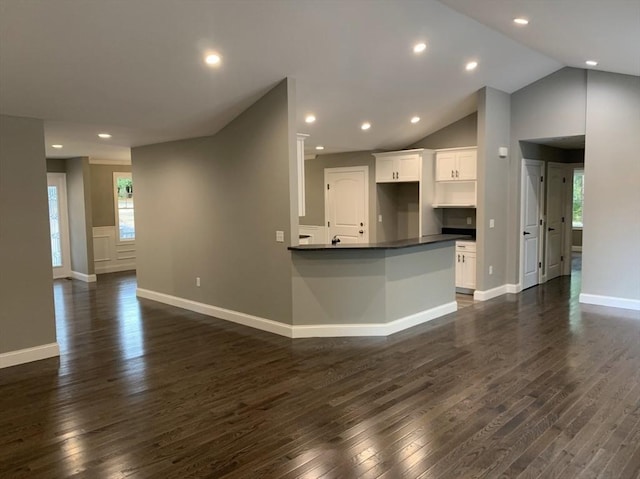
x=314, y=184
x=576, y=238
x=209, y=207
x=611, y=258
x=398, y=203
x=553, y=106
x=56, y=165
x=80, y=221
x=457, y=217
x=26, y=285
x=494, y=119
x=102, y=201
x=604, y=107
x=463, y=132
x=535, y=151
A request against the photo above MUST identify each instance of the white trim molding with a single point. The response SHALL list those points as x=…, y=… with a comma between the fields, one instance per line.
x=217, y=312
x=27, y=355
x=577, y=249
x=490, y=293
x=514, y=288
x=302, y=331
x=87, y=278
x=611, y=301
x=372, y=329
x=107, y=161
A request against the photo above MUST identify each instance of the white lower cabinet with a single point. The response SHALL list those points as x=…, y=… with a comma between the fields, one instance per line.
x=465, y=264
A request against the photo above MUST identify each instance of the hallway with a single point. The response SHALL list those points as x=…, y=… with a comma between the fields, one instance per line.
x=529, y=385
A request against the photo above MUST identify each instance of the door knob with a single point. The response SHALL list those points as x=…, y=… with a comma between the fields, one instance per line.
x=526, y=233
x=551, y=229
x=361, y=232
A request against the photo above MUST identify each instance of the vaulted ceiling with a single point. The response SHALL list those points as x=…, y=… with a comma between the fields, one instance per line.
x=135, y=69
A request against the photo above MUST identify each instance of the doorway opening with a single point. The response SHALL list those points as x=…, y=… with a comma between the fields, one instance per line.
x=551, y=208
x=59, y=225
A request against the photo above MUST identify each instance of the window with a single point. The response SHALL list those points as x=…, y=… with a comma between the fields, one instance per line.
x=123, y=193
x=578, y=197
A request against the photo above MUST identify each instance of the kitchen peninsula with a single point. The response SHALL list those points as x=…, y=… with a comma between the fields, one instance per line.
x=372, y=289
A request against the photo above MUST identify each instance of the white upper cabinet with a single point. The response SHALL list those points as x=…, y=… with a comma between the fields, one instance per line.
x=456, y=165
x=455, y=175
x=398, y=166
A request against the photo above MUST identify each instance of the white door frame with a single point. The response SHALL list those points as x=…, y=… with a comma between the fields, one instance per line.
x=60, y=181
x=569, y=215
x=541, y=198
x=563, y=232
x=348, y=169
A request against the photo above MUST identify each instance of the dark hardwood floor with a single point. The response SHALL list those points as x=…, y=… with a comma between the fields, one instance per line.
x=529, y=385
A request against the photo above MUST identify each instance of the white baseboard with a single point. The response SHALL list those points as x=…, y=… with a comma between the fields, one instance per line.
x=221, y=313
x=514, y=288
x=87, y=278
x=114, y=268
x=21, y=356
x=490, y=293
x=373, y=329
x=301, y=331
x=610, y=301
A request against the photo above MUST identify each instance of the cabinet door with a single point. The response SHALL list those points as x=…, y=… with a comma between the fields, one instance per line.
x=466, y=165
x=385, y=171
x=459, y=270
x=445, y=166
x=408, y=168
x=468, y=270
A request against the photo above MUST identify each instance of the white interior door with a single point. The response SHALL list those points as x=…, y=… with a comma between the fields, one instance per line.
x=554, y=231
x=531, y=219
x=59, y=224
x=347, y=203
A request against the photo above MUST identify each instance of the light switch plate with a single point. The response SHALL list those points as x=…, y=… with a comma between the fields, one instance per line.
x=280, y=236
x=379, y=218
x=492, y=223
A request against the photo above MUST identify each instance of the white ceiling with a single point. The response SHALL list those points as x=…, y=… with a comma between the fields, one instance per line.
x=135, y=68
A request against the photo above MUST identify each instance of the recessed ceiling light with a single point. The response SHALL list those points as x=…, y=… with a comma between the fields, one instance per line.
x=310, y=119
x=591, y=63
x=415, y=119
x=521, y=21
x=319, y=147
x=104, y=135
x=56, y=146
x=213, y=59
x=366, y=126
x=471, y=66
x=419, y=47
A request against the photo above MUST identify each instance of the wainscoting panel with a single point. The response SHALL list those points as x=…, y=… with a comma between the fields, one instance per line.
x=110, y=257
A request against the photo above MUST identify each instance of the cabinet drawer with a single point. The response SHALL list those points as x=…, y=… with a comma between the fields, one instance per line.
x=469, y=246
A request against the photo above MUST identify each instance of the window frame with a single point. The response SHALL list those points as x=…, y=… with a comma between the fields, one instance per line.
x=116, y=176
x=578, y=170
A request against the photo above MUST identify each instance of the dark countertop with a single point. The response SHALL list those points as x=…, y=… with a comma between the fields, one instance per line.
x=431, y=239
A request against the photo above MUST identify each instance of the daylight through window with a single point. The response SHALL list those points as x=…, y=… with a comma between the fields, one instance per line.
x=578, y=197
x=123, y=186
